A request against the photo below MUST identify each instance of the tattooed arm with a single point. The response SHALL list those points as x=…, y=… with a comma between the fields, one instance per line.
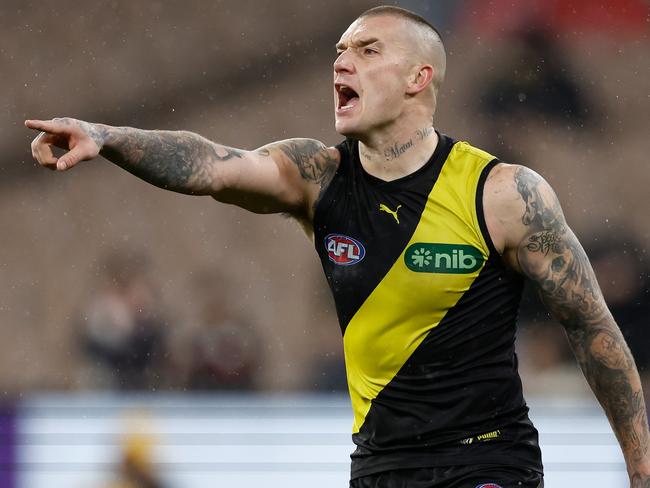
x=286, y=176
x=527, y=225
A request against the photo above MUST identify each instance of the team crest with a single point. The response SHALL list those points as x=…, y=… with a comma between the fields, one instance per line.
x=344, y=250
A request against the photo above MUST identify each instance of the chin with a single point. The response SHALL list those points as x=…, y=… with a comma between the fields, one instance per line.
x=346, y=129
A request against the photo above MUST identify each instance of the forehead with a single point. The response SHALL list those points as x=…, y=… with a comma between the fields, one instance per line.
x=387, y=28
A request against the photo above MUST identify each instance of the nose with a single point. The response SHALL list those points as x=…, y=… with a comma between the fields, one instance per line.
x=343, y=63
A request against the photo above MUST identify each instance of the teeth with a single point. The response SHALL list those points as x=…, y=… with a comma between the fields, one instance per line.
x=347, y=97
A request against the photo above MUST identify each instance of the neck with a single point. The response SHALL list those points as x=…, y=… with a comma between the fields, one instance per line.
x=392, y=156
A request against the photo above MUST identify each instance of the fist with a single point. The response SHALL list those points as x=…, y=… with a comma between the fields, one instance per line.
x=81, y=141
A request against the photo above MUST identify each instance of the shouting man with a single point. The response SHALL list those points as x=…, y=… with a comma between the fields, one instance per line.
x=425, y=242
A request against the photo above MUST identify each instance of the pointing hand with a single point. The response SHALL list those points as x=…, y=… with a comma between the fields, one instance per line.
x=81, y=140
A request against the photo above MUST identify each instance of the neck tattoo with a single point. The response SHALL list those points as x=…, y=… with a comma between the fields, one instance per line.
x=422, y=134
x=397, y=149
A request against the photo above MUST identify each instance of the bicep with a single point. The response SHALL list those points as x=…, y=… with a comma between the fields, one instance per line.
x=550, y=255
x=279, y=177
x=256, y=182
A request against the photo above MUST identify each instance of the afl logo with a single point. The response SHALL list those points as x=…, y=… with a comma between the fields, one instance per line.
x=344, y=250
x=489, y=485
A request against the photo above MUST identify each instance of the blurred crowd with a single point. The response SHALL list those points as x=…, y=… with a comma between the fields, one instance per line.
x=123, y=326
x=548, y=97
x=123, y=331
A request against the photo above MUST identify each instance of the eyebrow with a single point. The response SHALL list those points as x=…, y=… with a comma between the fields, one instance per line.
x=359, y=43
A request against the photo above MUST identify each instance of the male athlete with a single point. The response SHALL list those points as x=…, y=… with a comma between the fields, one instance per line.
x=425, y=242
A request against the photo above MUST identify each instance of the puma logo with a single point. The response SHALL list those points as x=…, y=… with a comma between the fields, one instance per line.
x=384, y=208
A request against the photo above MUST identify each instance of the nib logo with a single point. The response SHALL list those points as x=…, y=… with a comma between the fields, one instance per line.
x=443, y=258
x=421, y=257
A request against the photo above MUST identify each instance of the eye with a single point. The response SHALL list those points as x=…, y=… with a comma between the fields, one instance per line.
x=369, y=51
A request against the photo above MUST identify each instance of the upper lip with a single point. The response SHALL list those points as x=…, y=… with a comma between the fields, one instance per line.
x=343, y=92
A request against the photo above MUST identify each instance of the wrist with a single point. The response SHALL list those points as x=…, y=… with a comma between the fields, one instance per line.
x=99, y=133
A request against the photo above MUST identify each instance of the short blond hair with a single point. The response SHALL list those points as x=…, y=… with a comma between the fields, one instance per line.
x=435, y=47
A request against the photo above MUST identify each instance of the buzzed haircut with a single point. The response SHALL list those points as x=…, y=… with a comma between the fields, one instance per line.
x=400, y=12
x=437, y=46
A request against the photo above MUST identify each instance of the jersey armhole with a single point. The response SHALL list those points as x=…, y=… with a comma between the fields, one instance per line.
x=480, y=211
x=344, y=152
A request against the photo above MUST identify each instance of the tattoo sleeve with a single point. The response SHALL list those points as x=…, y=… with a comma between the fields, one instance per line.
x=180, y=161
x=552, y=257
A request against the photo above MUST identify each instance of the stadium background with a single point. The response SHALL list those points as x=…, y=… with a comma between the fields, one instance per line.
x=111, y=289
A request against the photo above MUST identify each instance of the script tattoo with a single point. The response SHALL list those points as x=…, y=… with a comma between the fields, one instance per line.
x=175, y=160
x=312, y=158
x=544, y=242
x=554, y=259
x=365, y=153
x=422, y=134
x=396, y=150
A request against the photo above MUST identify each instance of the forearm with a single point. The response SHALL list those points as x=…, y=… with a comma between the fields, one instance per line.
x=569, y=288
x=611, y=372
x=175, y=160
x=574, y=298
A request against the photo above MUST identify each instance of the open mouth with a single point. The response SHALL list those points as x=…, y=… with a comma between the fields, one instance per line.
x=348, y=98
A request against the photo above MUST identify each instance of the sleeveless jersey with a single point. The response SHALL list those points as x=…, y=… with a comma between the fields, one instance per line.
x=427, y=311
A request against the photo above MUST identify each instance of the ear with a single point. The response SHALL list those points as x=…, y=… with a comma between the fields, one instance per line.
x=421, y=78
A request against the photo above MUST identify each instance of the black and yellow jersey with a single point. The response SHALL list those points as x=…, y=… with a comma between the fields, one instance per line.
x=427, y=311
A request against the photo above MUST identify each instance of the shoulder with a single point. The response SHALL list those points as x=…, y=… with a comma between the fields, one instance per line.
x=518, y=201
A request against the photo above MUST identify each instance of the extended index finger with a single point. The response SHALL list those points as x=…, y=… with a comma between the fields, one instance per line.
x=51, y=126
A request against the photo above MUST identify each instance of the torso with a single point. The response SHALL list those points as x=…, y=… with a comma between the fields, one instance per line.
x=426, y=308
